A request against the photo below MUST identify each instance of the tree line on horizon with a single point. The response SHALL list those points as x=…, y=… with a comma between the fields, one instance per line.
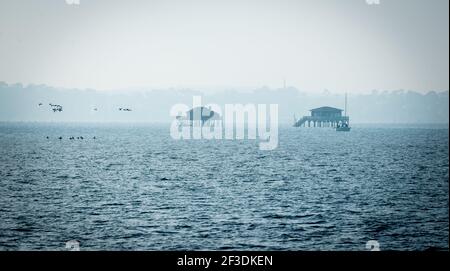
x=21, y=103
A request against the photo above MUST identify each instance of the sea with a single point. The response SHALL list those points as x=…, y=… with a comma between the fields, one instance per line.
x=133, y=187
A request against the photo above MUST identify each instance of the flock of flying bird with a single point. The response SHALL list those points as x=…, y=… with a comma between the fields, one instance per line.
x=71, y=138
x=55, y=107
x=59, y=108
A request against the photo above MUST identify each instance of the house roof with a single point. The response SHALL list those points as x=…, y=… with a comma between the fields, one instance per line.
x=327, y=109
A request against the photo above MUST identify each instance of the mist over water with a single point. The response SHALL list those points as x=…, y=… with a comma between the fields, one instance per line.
x=21, y=103
x=134, y=188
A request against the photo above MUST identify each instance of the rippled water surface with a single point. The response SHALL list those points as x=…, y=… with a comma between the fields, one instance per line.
x=134, y=188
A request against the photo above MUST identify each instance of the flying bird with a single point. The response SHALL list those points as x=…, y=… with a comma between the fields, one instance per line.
x=56, y=107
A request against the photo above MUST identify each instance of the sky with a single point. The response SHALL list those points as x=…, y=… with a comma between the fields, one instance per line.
x=338, y=45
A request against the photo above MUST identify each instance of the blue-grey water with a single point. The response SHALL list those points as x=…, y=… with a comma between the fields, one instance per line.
x=135, y=188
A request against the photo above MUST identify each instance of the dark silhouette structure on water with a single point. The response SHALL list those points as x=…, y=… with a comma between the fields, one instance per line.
x=200, y=114
x=326, y=116
x=323, y=117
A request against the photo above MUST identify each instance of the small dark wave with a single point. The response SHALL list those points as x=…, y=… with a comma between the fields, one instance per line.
x=227, y=247
x=183, y=227
x=251, y=226
x=379, y=228
x=113, y=204
x=133, y=235
x=63, y=177
x=251, y=246
x=23, y=229
x=110, y=165
x=162, y=232
x=279, y=216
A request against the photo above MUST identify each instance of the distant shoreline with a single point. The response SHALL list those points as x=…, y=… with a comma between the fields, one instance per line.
x=282, y=125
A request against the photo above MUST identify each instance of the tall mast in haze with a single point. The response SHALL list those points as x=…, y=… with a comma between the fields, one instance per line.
x=345, y=111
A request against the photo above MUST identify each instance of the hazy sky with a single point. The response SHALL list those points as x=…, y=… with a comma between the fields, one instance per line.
x=339, y=45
